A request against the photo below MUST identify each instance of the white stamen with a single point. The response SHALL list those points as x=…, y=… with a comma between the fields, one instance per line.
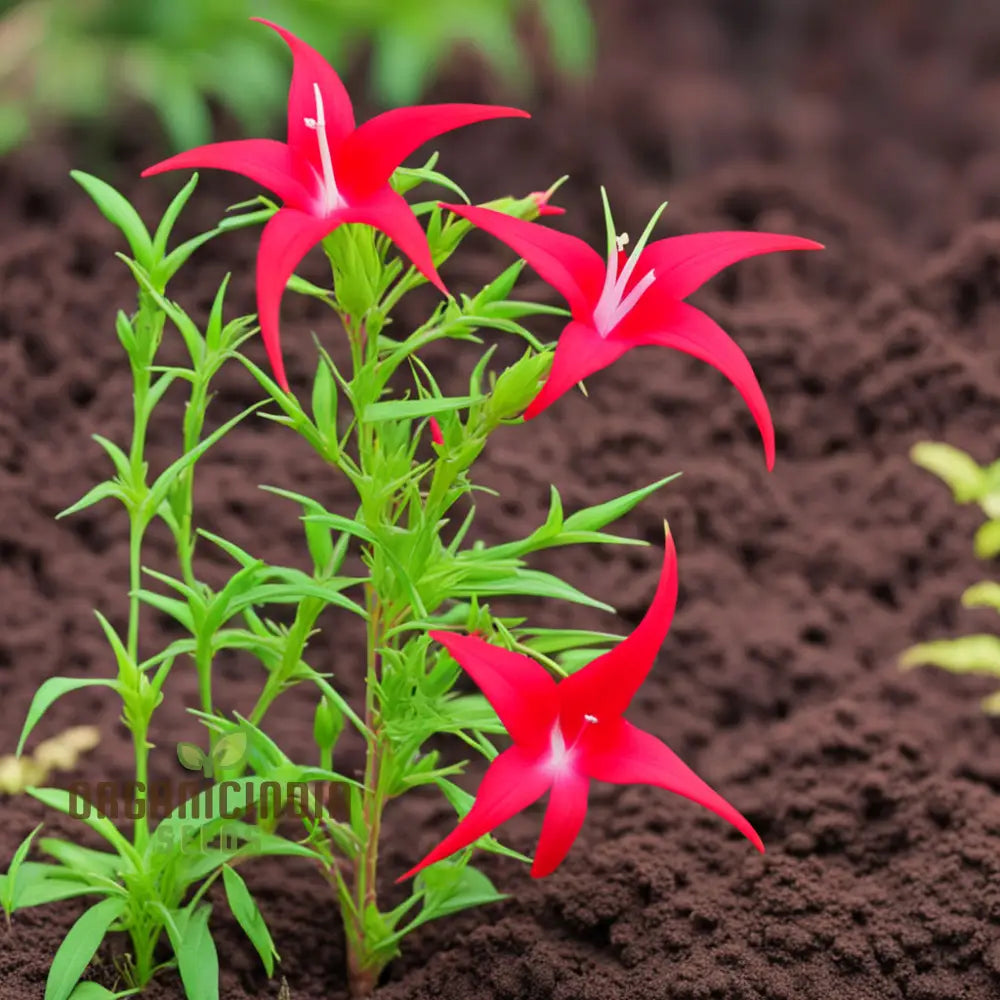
x=614, y=305
x=611, y=308
x=590, y=718
x=330, y=197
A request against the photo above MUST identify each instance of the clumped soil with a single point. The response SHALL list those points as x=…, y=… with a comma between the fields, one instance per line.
x=871, y=127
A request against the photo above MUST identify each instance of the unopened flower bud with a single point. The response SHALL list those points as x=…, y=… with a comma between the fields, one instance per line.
x=517, y=386
x=436, y=436
x=327, y=725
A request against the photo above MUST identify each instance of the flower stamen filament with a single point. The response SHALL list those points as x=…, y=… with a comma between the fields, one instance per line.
x=614, y=305
x=330, y=198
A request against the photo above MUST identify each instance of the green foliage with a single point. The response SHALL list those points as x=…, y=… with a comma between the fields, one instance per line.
x=402, y=558
x=969, y=483
x=71, y=60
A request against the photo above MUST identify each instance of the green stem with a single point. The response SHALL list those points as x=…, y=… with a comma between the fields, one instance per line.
x=298, y=635
x=139, y=723
x=194, y=421
x=364, y=964
x=203, y=667
x=144, y=943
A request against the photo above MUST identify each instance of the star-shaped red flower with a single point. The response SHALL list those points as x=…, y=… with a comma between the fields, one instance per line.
x=630, y=302
x=568, y=733
x=329, y=173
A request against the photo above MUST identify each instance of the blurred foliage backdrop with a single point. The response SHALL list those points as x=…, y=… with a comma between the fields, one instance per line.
x=77, y=59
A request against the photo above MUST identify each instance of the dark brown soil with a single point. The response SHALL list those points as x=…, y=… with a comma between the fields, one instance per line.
x=874, y=128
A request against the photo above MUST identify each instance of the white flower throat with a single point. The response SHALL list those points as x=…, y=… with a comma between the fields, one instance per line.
x=560, y=755
x=614, y=305
x=330, y=198
x=611, y=308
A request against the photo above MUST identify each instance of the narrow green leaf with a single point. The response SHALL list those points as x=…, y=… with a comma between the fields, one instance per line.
x=409, y=409
x=970, y=654
x=81, y=860
x=9, y=890
x=602, y=514
x=552, y=640
x=62, y=801
x=231, y=549
x=166, y=479
x=197, y=958
x=119, y=212
x=117, y=456
x=987, y=540
x=982, y=595
x=102, y=491
x=249, y=917
x=344, y=524
x=126, y=335
x=164, y=229
x=42, y=884
x=324, y=400
x=79, y=947
x=95, y=991
x=52, y=689
x=178, y=610
x=959, y=471
x=527, y=583
x=176, y=258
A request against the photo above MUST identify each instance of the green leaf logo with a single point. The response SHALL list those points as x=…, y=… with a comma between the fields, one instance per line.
x=191, y=756
x=230, y=751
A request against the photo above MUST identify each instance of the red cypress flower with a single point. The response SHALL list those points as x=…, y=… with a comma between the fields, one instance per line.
x=633, y=301
x=541, y=199
x=329, y=172
x=568, y=733
x=436, y=436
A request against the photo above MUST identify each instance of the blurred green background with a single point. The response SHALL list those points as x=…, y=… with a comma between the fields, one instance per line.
x=81, y=60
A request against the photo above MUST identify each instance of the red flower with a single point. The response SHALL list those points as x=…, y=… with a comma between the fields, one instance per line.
x=628, y=303
x=567, y=733
x=541, y=199
x=329, y=173
x=436, y=436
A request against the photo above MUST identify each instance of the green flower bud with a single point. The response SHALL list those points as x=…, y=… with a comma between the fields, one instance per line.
x=327, y=725
x=517, y=386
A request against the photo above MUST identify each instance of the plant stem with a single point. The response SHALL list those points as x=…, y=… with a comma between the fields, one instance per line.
x=364, y=962
x=139, y=724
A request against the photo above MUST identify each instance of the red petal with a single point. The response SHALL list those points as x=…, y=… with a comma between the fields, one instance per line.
x=605, y=686
x=563, y=819
x=511, y=783
x=519, y=689
x=391, y=214
x=658, y=319
x=580, y=352
x=311, y=68
x=287, y=238
x=625, y=755
x=684, y=263
x=377, y=147
x=541, y=199
x=569, y=265
x=265, y=161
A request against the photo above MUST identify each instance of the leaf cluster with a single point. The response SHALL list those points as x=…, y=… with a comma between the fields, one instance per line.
x=969, y=482
x=72, y=61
